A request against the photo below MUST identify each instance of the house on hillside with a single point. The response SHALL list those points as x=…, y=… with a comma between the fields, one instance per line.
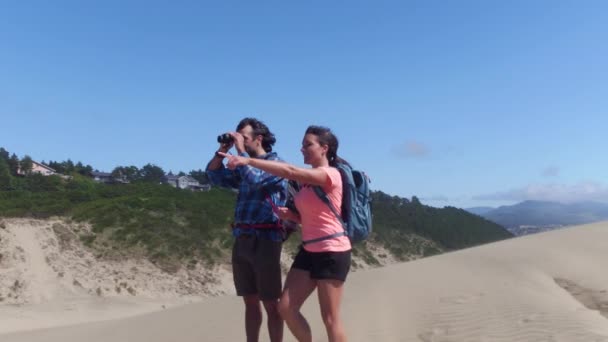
x=171, y=179
x=107, y=178
x=185, y=182
x=39, y=168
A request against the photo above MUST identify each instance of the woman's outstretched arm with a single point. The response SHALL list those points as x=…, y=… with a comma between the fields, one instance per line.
x=314, y=176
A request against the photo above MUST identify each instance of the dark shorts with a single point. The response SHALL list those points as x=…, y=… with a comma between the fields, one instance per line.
x=323, y=265
x=256, y=267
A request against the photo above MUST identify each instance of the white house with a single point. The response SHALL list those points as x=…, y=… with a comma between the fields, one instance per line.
x=107, y=178
x=39, y=168
x=185, y=182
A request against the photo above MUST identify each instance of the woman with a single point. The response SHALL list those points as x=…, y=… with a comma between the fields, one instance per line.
x=324, y=263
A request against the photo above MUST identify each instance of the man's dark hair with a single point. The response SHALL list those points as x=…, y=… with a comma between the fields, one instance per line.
x=259, y=128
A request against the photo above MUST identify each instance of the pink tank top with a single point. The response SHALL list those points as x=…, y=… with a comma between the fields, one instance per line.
x=317, y=218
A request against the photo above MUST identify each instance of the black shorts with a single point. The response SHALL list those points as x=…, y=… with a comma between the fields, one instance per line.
x=323, y=265
x=256, y=267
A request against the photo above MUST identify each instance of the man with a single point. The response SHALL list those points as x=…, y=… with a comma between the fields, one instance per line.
x=258, y=236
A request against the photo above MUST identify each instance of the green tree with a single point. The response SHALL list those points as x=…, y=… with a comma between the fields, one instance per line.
x=130, y=173
x=13, y=164
x=200, y=176
x=83, y=170
x=26, y=164
x=86, y=171
x=69, y=166
x=152, y=173
x=4, y=155
x=5, y=176
x=56, y=166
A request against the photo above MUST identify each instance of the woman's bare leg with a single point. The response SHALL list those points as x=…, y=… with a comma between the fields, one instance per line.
x=298, y=287
x=330, y=296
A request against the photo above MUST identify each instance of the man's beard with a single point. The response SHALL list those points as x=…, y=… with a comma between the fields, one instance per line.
x=251, y=151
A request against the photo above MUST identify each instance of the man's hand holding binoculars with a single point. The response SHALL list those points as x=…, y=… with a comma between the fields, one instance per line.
x=229, y=139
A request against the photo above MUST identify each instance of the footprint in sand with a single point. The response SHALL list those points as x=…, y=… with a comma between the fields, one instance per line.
x=528, y=319
x=463, y=299
x=437, y=334
x=590, y=298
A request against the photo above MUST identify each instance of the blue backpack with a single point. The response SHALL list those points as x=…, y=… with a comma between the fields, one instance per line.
x=356, y=213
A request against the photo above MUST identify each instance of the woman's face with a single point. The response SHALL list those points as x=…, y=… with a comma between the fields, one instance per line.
x=313, y=152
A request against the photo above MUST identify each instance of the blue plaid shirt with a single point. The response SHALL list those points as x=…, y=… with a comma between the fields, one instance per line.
x=252, y=205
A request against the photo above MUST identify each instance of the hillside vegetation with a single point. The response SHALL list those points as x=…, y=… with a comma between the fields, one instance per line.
x=449, y=228
x=167, y=225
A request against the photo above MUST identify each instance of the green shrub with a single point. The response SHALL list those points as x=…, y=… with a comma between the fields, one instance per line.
x=168, y=224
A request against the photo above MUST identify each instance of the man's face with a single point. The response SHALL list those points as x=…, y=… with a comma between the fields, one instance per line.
x=251, y=142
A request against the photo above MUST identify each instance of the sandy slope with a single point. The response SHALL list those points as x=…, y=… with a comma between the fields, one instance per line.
x=546, y=287
x=47, y=278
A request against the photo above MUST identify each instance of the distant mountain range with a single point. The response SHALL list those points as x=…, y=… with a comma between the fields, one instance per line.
x=535, y=216
x=479, y=210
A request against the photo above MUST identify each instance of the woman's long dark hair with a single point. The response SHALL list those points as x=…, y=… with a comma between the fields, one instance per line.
x=327, y=137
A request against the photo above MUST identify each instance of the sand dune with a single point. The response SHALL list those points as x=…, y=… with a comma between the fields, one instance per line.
x=545, y=287
x=48, y=278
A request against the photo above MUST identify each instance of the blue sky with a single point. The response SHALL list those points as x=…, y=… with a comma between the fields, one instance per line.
x=463, y=103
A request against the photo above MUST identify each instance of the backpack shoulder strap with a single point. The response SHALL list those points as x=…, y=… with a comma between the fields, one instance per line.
x=323, y=196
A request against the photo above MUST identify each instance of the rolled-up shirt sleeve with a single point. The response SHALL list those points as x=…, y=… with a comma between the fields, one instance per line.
x=223, y=177
x=257, y=178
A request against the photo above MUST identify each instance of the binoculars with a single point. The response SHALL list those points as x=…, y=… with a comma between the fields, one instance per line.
x=224, y=138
